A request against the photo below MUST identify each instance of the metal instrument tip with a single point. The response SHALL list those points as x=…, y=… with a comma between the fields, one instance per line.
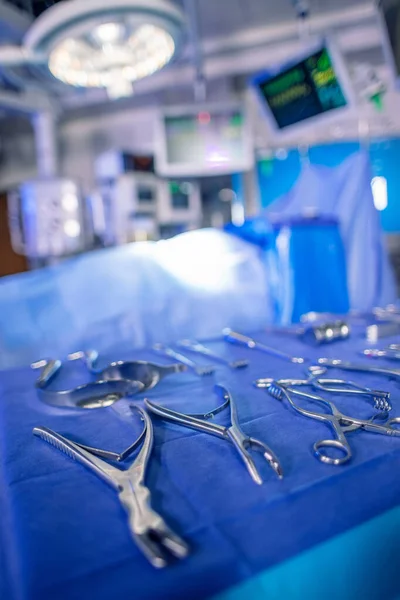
x=298, y=360
x=275, y=465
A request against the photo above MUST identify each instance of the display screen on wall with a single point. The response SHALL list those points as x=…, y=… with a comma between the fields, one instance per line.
x=205, y=138
x=213, y=140
x=307, y=89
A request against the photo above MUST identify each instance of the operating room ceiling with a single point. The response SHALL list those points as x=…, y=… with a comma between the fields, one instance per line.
x=222, y=17
x=238, y=38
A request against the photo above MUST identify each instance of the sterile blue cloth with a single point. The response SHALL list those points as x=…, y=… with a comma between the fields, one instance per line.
x=65, y=535
x=345, y=192
x=190, y=286
x=349, y=565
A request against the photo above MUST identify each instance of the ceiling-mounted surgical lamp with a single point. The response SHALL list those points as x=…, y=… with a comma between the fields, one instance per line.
x=100, y=43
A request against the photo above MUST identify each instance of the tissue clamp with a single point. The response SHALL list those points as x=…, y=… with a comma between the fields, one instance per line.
x=340, y=423
x=335, y=386
x=234, y=433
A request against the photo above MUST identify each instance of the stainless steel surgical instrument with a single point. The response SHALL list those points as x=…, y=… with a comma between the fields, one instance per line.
x=362, y=368
x=390, y=353
x=96, y=394
x=340, y=423
x=147, y=373
x=243, y=340
x=194, y=346
x=233, y=433
x=150, y=532
x=336, y=386
x=181, y=358
x=316, y=334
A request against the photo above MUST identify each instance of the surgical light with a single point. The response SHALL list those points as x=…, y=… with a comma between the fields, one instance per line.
x=78, y=62
x=103, y=43
x=109, y=33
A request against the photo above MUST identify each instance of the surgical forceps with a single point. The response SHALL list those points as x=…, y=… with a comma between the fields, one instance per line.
x=148, y=529
x=336, y=386
x=336, y=363
x=233, y=434
x=340, y=423
x=165, y=351
x=97, y=394
x=149, y=374
x=194, y=346
x=243, y=340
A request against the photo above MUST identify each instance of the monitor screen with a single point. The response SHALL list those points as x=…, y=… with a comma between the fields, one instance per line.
x=145, y=194
x=307, y=89
x=179, y=195
x=205, y=138
x=142, y=163
x=204, y=142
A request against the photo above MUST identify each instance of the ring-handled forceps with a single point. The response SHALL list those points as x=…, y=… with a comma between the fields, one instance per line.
x=233, y=434
x=340, y=423
x=380, y=398
x=97, y=394
x=149, y=374
x=150, y=532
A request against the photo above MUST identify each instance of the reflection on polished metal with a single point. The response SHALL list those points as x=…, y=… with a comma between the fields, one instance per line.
x=97, y=394
x=323, y=333
x=194, y=346
x=313, y=316
x=165, y=351
x=243, y=340
x=151, y=534
x=340, y=423
x=336, y=386
x=233, y=434
x=336, y=363
x=391, y=353
x=149, y=374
